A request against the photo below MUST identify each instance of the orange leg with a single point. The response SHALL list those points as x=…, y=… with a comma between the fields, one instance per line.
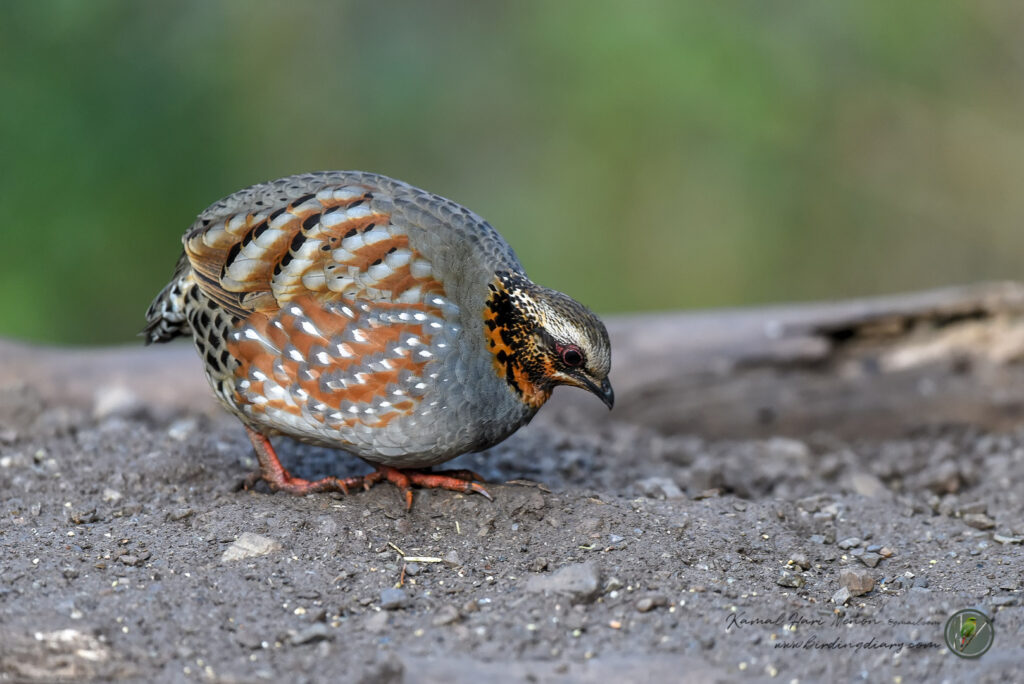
x=277, y=478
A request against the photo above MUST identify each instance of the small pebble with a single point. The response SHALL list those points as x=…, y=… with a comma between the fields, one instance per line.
x=445, y=615
x=789, y=579
x=580, y=582
x=649, y=603
x=248, y=545
x=869, y=559
x=412, y=569
x=841, y=597
x=800, y=560
x=393, y=599
x=658, y=488
x=1001, y=539
x=312, y=634
x=376, y=623
x=857, y=581
x=849, y=543
x=868, y=485
x=979, y=521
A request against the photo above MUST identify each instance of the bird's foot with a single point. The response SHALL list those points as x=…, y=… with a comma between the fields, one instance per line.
x=454, y=480
x=279, y=479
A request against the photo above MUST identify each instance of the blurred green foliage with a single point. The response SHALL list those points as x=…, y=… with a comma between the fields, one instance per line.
x=638, y=155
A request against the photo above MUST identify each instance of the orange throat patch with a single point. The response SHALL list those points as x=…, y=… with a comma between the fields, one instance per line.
x=509, y=332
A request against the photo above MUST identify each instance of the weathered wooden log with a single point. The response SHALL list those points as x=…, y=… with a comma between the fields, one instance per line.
x=875, y=367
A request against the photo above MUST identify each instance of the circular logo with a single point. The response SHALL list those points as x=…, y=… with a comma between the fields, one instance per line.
x=969, y=633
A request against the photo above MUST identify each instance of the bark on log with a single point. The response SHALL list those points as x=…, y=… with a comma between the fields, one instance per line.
x=876, y=367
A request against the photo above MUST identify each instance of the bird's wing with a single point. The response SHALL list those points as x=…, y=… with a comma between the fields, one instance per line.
x=332, y=236
x=334, y=241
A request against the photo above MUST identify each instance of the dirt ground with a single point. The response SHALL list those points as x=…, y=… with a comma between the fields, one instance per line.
x=128, y=552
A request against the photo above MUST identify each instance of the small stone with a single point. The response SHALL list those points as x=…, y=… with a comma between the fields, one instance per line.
x=973, y=507
x=393, y=599
x=412, y=569
x=789, y=579
x=857, y=581
x=831, y=509
x=849, y=543
x=800, y=560
x=817, y=539
x=868, y=485
x=249, y=638
x=649, y=603
x=658, y=488
x=874, y=548
x=948, y=504
x=869, y=559
x=921, y=583
x=249, y=545
x=841, y=597
x=580, y=582
x=1001, y=539
x=111, y=495
x=944, y=479
x=312, y=634
x=979, y=521
x=885, y=552
x=612, y=584
x=811, y=504
x=445, y=615
x=180, y=430
x=539, y=564
x=180, y=514
x=376, y=623
x=116, y=400
x=452, y=559
x=615, y=538
x=84, y=517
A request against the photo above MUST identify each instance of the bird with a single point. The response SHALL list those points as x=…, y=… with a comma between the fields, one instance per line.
x=350, y=310
x=967, y=631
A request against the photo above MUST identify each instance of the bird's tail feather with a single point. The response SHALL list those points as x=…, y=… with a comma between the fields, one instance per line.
x=165, y=318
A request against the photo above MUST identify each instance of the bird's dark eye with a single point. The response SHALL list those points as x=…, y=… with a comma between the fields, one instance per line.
x=572, y=356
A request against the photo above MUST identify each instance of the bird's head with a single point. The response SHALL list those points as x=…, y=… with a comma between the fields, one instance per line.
x=541, y=338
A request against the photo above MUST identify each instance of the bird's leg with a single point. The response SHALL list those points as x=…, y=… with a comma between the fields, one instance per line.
x=277, y=478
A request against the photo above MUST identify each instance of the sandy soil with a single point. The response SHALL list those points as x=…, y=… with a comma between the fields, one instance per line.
x=128, y=551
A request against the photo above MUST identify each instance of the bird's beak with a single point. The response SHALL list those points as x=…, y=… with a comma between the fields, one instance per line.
x=604, y=391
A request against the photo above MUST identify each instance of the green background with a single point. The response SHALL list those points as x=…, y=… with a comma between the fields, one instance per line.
x=638, y=155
